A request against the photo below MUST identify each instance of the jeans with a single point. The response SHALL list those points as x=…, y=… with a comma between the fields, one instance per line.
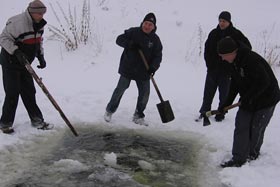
x=213, y=81
x=143, y=95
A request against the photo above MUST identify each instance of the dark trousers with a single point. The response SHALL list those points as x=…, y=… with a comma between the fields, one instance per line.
x=249, y=132
x=143, y=95
x=18, y=83
x=214, y=80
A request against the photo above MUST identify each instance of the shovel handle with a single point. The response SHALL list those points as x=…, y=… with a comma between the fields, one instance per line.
x=152, y=78
x=213, y=112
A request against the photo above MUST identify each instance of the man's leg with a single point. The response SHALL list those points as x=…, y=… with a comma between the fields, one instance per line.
x=11, y=85
x=143, y=97
x=241, y=139
x=223, y=87
x=209, y=92
x=259, y=124
x=122, y=85
x=28, y=92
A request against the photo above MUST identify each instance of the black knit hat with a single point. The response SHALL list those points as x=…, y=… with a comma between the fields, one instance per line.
x=225, y=15
x=37, y=6
x=151, y=18
x=226, y=45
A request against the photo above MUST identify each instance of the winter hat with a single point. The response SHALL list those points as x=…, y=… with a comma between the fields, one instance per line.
x=226, y=45
x=151, y=18
x=37, y=6
x=225, y=15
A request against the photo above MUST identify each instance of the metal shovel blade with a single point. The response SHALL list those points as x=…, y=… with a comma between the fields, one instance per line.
x=165, y=111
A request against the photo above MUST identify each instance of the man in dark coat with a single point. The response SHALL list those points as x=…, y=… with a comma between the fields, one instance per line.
x=255, y=82
x=21, y=40
x=132, y=66
x=217, y=73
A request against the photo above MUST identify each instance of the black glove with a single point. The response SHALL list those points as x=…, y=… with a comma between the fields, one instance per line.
x=151, y=71
x=42, y=62
x=21, y=57
x=133, y=45
x=221, y=110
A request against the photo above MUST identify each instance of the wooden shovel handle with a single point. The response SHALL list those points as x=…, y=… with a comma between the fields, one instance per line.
x=213, y=112
x=152, y=78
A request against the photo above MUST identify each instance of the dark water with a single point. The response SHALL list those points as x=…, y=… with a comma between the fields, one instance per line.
x=107, y=157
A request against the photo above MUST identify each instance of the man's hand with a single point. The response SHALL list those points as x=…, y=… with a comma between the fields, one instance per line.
x=42, y=62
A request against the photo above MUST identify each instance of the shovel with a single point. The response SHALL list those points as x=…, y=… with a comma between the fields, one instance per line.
x=164, y=107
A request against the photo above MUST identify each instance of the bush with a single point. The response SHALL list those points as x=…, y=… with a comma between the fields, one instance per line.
x=72, y=32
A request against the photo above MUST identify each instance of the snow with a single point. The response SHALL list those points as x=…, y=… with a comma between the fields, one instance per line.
x=82, y=82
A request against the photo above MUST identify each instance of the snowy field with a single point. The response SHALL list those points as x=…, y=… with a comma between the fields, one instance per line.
x=82, y=81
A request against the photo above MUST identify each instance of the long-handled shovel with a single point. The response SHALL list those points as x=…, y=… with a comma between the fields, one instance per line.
x=45, y=90
x=164, y=107
x=206, y=115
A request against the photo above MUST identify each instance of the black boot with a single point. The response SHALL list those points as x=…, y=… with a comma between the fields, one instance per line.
x=232, y=163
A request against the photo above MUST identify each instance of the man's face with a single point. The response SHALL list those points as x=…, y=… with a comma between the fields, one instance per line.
x=148, y=27
x=223, y=24
x=229, y=57
x=37, y=17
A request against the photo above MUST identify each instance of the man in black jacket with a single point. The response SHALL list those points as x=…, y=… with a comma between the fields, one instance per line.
x=132, y=67
x=217, y=72
x=21, y=40
x=255, y=82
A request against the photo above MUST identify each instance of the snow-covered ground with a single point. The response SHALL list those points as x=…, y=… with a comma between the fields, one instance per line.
x=82, y=82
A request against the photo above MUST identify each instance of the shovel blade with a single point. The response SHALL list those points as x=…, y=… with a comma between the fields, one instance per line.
x=165, y=111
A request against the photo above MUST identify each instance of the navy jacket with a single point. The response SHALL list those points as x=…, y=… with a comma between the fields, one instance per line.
x=131, y=64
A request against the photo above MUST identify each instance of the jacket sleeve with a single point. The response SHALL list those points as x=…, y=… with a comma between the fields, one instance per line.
x=243, y=40
x=233, y=91
x=124, y=39
x=157, y=55
x=210, y=51
x=7, y=38
x=259, y=77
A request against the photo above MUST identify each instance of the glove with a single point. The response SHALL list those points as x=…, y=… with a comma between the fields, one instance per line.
x=151, y=71
x=221, y=110
x=133, y=45
x=42, y=62
x=21, y=57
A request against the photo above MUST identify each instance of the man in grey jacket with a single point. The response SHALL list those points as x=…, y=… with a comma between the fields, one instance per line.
x=21, y=42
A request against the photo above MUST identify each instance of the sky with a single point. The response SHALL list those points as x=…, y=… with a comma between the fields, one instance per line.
x=82, y=81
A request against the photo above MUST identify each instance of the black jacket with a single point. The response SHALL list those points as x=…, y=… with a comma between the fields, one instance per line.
x=131, y=64
x=254, y=80
x=212, y=59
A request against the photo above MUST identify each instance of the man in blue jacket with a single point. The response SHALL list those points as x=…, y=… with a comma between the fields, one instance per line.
x=133, y=68
x=255, y=82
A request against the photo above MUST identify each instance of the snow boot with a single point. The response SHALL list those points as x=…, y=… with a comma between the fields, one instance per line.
x=138, y=120
x=42, y=125
x=232, y=163
x=7, y=130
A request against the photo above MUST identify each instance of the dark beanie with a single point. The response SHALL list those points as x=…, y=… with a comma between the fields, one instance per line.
x=151, y=18
x=226, y=45
x=225, y=15
x=37, y=6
